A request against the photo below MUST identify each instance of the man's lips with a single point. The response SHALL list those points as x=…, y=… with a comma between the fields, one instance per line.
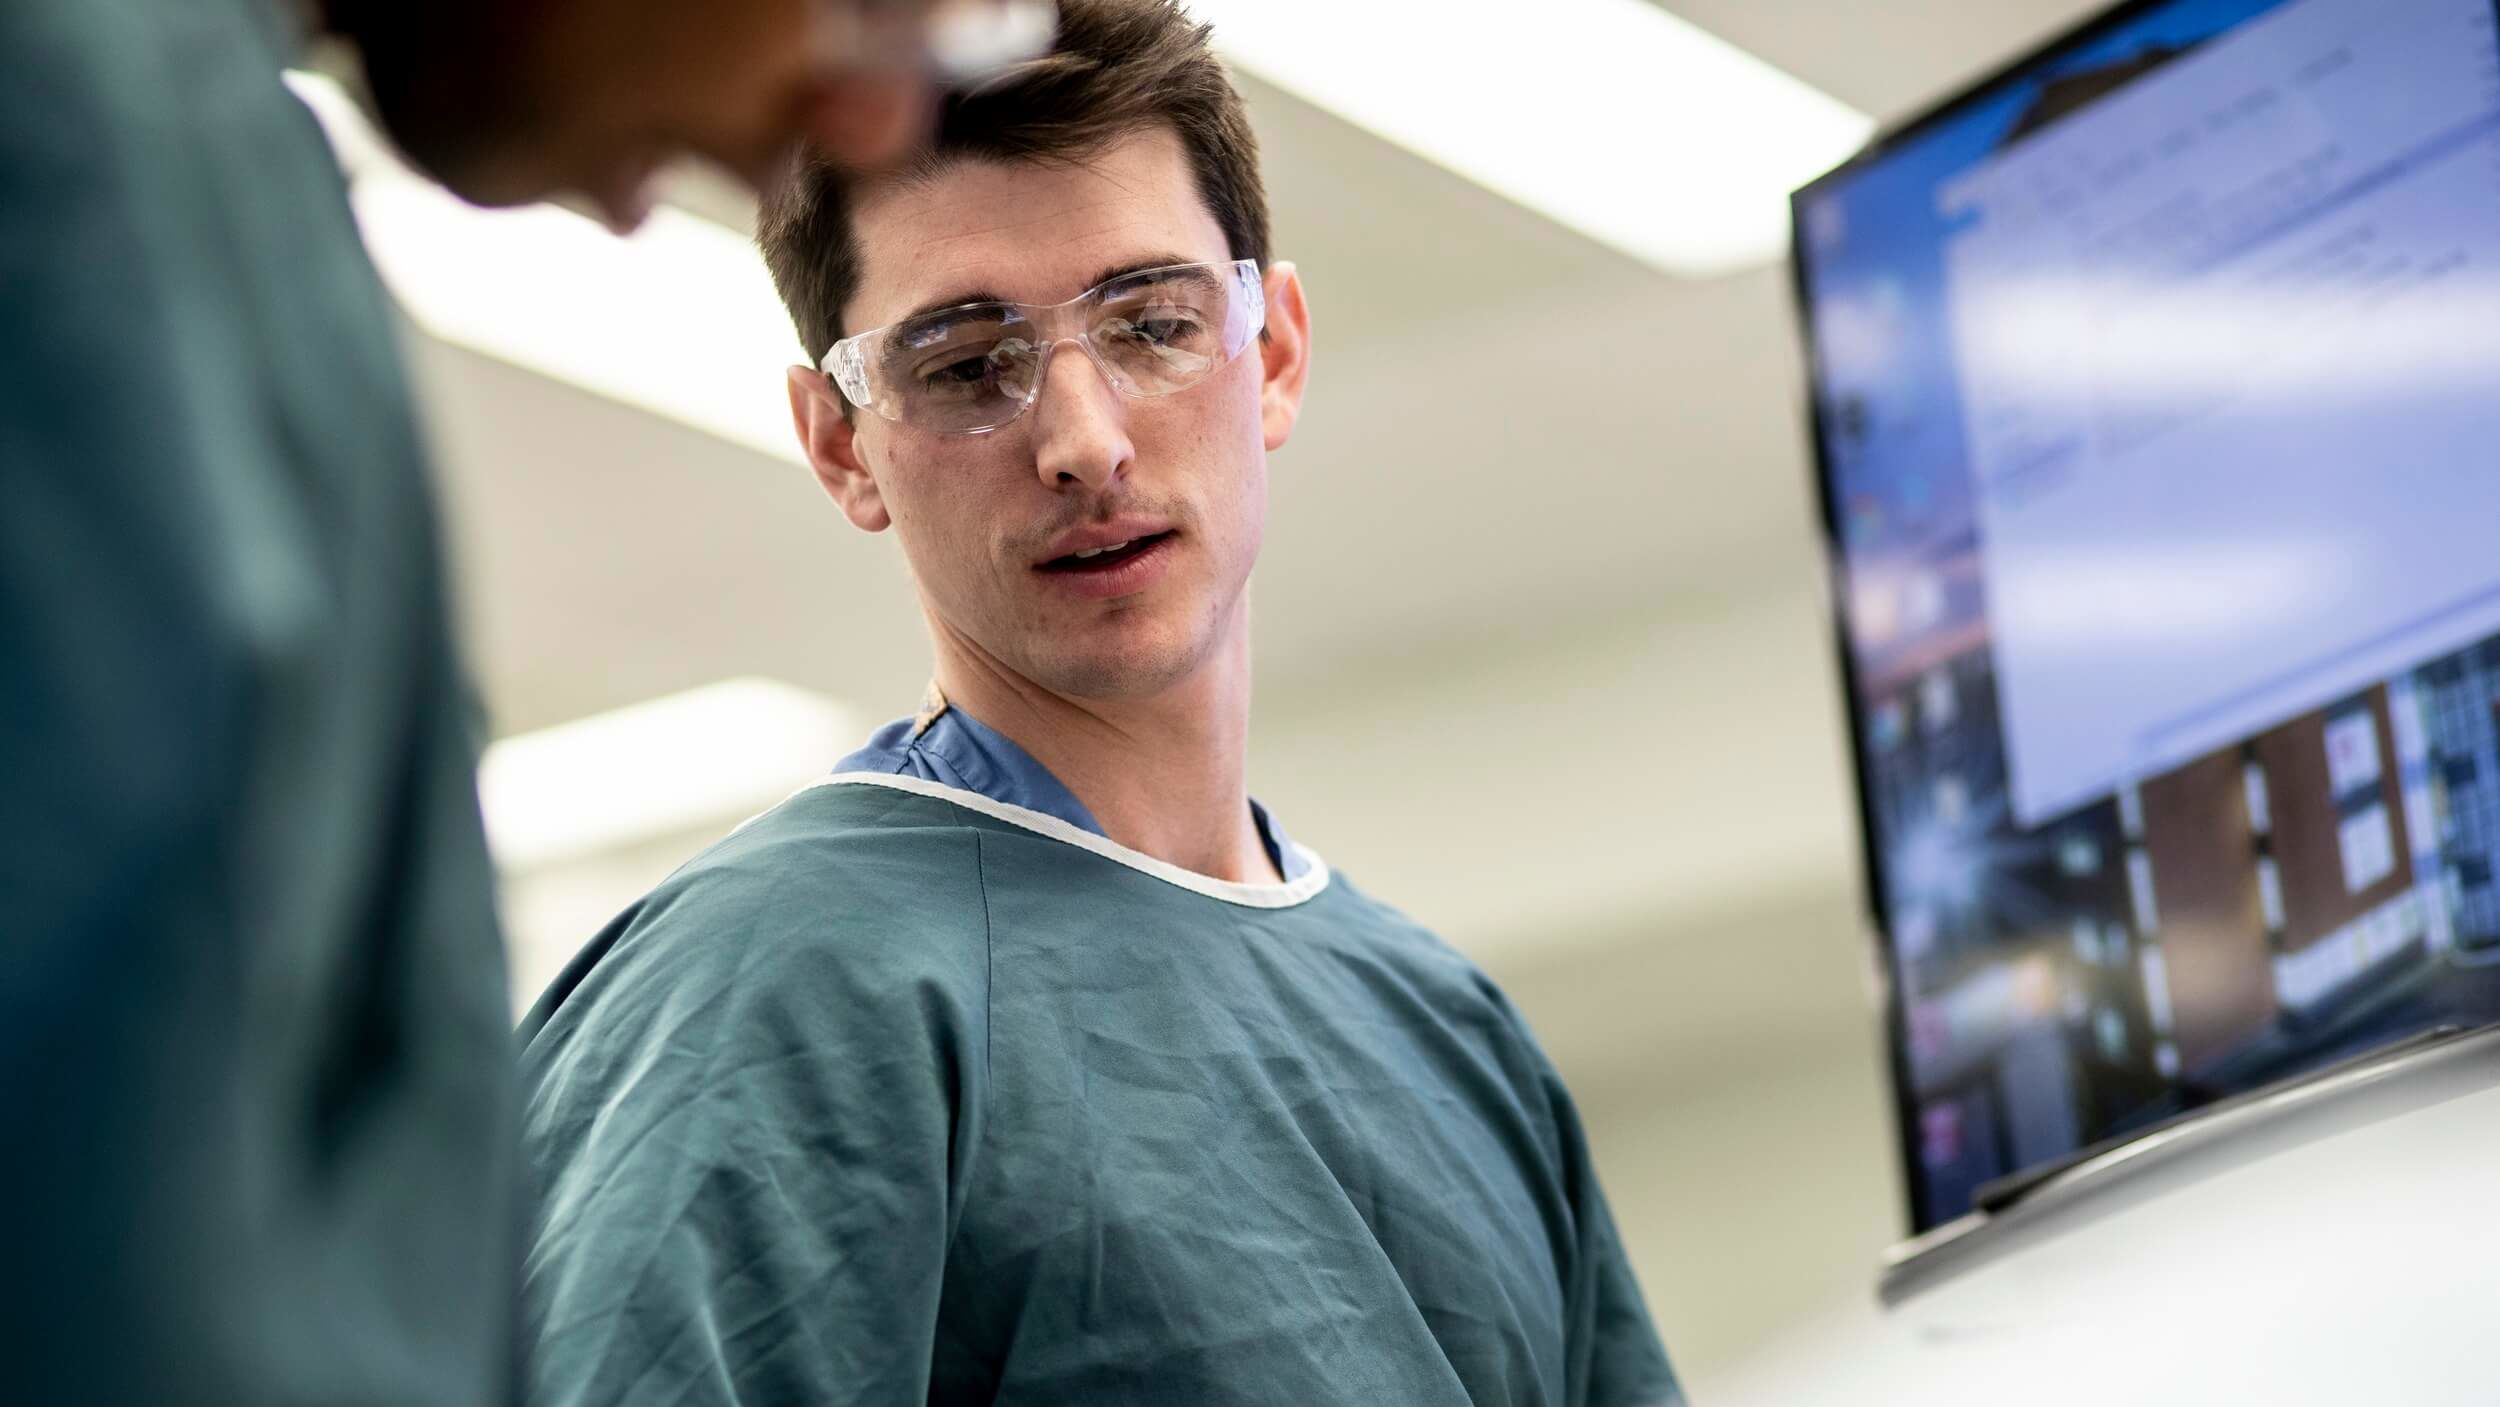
x=1103, y=556
x=1089, y=541
x=1113, y=569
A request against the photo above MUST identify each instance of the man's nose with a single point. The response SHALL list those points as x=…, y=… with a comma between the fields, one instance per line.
x=1080, y=431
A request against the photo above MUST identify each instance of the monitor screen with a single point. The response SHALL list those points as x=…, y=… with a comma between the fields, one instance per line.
x=2157, y=393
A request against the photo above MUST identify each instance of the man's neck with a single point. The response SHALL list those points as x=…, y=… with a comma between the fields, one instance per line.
x=1164, y=774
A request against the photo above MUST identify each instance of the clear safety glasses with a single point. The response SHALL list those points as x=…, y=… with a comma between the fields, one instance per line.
x=957, y=40
x=968, y=370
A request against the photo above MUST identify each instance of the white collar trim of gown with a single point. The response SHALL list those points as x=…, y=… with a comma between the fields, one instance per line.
x=1254, y=896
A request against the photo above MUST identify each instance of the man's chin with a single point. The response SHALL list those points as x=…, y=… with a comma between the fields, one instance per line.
x=508, y=175
x=481, y=166
x=489, y=188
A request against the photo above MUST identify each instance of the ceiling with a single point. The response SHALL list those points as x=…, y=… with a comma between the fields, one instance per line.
x=1890, y=58
x=1541, y=649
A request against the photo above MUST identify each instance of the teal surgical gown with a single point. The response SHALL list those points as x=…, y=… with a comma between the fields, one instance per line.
x=901, y=1095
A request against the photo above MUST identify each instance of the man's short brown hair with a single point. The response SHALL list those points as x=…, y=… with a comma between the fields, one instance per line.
x=1120, y=67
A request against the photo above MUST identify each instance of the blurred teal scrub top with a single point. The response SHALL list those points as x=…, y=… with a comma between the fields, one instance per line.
x=905, y=1093
x=256, y=1083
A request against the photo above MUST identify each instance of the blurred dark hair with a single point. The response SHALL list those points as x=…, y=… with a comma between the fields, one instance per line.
x=1119, y=67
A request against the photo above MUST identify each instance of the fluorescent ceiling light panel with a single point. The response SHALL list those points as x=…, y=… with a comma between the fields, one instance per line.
x=679, y=318
x=1611, y=116
x=710, y=756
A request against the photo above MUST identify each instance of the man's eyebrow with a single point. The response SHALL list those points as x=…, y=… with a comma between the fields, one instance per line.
x=1146, y=265
x=977, y=297
x=950, y=303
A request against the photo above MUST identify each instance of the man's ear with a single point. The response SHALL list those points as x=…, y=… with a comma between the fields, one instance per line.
x=832, y=444
x=1285, y=353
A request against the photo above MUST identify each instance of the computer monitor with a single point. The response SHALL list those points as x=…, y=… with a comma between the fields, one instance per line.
x=2157, y=403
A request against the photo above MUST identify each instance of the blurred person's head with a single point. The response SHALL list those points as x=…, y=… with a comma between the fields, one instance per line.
x=507, y=101
x=1127, y=149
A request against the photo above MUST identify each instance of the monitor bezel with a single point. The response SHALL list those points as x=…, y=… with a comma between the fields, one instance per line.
x=1887, y=141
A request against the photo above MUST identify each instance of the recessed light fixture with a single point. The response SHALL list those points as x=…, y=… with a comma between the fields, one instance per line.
x=709, y=756
x=1613, y=117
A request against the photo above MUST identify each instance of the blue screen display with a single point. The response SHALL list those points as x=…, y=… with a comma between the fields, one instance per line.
x=2154, y=387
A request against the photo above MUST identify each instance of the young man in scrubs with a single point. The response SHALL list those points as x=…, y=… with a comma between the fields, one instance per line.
x=1025, y=1059
x=255, y=1068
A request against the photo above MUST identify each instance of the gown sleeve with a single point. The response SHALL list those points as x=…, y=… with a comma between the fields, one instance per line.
x=751, y=1104
x=1616, y=1358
